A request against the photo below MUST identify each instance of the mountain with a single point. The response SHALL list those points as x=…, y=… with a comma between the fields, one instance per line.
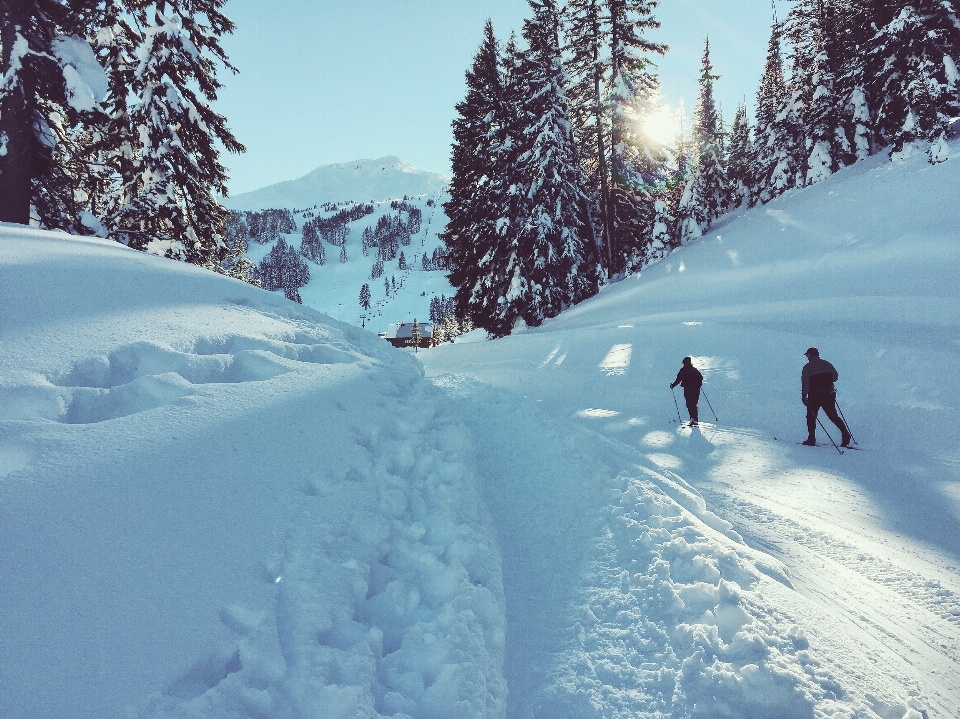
x=218, y=503
x=361, y=180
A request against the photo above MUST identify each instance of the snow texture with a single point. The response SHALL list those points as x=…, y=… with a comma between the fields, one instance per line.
x=86, y=80
x=217, y=503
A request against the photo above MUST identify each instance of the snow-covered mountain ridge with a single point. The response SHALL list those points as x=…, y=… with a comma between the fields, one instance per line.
x=218, y=503
x=384, y=178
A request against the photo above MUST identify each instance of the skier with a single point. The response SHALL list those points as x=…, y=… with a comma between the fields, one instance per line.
x=690, y=379
x=816, y=391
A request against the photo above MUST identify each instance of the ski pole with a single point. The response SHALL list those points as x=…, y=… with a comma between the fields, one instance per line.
x=846, y=424
x=715, y=418
x=674, y=393
x=828, y=436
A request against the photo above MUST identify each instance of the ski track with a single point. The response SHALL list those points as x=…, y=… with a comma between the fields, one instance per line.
x=625, y=596
x=903, y=608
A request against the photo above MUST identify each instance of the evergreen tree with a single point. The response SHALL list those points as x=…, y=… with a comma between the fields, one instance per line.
x=554, y=266
x=283, y=269
x=236, y=264
x=739, y=154
x=402, y=262
x=343, y=253
x=812, y=30
x=311, y=246
x=771, y=98
x=415, y=335
x=707, y=191
x=780, y=142
x=167, y=197
x=471, y=225
x=613, y=89
x=365, y=297
x=916, y=89
x=51, y=82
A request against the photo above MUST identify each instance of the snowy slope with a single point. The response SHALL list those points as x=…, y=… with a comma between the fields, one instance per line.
x=217, y=503
x=385, y=178
x=865, y=266
x=334, y=287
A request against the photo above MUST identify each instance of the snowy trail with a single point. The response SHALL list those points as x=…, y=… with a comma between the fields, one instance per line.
x=624, y=595
x=878, y=601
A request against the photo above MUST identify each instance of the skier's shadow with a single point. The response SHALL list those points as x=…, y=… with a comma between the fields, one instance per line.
x=697, y=445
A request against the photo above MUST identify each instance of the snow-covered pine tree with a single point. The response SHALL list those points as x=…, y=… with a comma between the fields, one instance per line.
x=415, y=335
x=916, y=89
x=471, y=227
x=778, y=138
x=365, y=297
x=854, y=22
x=660, y=237
x=490, y=276
x=638, y=163
x=50, y=82
x=402, y=262
x=283, y=269
x=739, y=154
x=343, y=253
x=706, y=195
x=311, y=245
x=585, y=39
x=812, y=28
x=555, y=265
x=236, y=264
x=167, y=201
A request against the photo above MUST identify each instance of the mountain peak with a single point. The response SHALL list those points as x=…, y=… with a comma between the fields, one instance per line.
x=360, y=180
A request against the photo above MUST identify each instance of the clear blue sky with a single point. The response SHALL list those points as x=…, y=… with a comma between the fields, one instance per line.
x=324, y=81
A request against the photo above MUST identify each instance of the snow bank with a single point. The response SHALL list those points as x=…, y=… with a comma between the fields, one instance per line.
x=214, y=502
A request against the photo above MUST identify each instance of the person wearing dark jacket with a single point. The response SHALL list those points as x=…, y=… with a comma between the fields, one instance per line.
x=816, y=392
x=691, y=380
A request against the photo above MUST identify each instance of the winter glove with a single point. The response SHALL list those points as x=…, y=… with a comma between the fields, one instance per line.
x=803, y=398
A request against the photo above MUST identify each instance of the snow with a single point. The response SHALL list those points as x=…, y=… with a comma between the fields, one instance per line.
x=334, y=287
x=384, y=178
x=218, y=503
x=86, y=80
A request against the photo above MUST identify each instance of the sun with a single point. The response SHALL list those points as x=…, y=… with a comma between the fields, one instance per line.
x=661, y=126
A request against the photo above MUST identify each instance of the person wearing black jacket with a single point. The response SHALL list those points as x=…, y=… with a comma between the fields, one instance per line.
x=691, y=380
x=816, y=391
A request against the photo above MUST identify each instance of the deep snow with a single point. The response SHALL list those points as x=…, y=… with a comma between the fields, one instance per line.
x=217, y=503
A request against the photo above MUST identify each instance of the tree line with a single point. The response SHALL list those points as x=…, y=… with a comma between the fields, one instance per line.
x=556, y=187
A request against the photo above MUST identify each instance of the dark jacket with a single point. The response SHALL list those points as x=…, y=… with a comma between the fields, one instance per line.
x=818, y=377
x=689, y=378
